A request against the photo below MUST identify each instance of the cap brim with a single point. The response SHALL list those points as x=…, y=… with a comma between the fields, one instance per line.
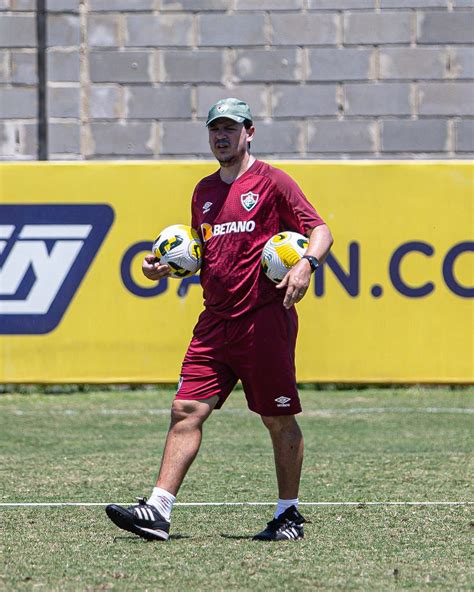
x=236, y=118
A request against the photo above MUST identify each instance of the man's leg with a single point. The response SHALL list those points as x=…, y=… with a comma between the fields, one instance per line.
x=183, y=441
x=287, y=440
x=151, y=520
x=288, y=448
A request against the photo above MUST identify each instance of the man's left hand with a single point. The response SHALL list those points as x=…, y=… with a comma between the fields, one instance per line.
x=296, y=282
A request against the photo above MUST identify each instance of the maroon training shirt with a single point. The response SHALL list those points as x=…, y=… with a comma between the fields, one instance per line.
x=234, y=222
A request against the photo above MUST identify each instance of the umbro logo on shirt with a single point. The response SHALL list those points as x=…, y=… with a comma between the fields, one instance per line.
x=283, y=401
x=206, y=207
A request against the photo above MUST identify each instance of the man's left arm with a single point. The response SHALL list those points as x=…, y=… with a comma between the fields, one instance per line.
x=297, y=280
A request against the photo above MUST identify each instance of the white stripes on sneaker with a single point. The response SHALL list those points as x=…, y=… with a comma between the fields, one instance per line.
x=144, y=513
x=291, y=533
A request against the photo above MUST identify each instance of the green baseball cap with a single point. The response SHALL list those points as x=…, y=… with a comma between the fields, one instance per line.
x=231, y=108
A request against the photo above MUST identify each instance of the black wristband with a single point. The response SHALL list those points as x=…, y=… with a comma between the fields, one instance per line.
x=312, y=261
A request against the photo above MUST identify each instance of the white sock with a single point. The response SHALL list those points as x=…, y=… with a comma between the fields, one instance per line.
x=163, y=502
x=283, y=505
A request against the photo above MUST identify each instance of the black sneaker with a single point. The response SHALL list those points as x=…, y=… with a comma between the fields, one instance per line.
x=141, y=519
x=287, y=527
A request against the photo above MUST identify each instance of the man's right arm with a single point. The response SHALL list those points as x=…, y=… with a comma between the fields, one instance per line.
x=150, y=267
x=153, y=270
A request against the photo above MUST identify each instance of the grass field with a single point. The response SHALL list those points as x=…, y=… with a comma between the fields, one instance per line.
x=368, y=445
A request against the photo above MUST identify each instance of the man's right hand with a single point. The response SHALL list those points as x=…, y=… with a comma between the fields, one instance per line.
x=153, y=270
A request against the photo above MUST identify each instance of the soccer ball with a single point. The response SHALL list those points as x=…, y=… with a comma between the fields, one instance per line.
x=281, y=252
x=179, y=247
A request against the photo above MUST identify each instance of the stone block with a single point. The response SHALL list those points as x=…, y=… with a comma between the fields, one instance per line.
x=103, y=30
x=422, y=135
x=341, y=136
x=446, y=98
x=63, y=65
x=159, y=31
x=304, y=29
x=326, y=64
x=64, y=138
x=17, y=30
x=377, y=28
x=24, y=68
x=9, y=138
x=121, y=5
x=64, y=102
x=184, y=138
x=340, y=4
x=407, y=63
x=256, y=95
x=445, y=27
x=277, y=137
x=18, y=139
x=122, y=139
x=173, y=102
x=63, y=30
x=413, y=3
x=377, y=99
x=30, y=139
x=464, y=135
x=120, y=66
x=192, y=66
x=196, y=5
x=23, y=5
x=5, y=74
x=307, y=100
x=105, y=102
x=63, y=6
x=462, y=62
x=232, y=30
x=269, y=5
x=275, y=65
x=18, y=103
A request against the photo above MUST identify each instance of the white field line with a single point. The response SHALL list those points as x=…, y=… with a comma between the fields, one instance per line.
x=198, y=504
x=323, y=412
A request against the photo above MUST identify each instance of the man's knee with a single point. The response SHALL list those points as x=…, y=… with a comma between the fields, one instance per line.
x=195, y=412
x=278, y=423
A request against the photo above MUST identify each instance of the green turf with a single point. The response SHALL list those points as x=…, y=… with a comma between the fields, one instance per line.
x=361, y=445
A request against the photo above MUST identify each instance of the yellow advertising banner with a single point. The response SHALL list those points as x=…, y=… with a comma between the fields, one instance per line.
x=393, y=303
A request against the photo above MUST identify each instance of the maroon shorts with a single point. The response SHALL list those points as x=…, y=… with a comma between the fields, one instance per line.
x=257, y=348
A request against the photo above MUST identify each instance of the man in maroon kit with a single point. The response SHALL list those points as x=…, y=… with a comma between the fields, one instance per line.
x=248, y=328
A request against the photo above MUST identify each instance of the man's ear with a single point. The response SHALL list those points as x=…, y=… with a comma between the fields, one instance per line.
x=250, y=133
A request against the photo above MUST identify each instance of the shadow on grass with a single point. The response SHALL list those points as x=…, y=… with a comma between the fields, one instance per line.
x=237, y=537
x=137, y=539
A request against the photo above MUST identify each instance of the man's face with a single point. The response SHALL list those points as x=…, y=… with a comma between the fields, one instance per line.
x=229, y=140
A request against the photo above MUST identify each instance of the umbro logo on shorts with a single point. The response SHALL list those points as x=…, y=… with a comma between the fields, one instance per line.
x=283, y=401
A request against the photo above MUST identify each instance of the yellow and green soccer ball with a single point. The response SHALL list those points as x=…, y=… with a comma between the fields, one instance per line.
x=281, y=253
x=179, y=247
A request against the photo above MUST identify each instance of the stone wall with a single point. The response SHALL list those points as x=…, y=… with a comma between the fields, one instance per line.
x=325, y=78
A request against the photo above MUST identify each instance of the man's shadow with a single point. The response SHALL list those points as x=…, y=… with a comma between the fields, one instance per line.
x=237, y=537
x=135, y=539
x=177, y=537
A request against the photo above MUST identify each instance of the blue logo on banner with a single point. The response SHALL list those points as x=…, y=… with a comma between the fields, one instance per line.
x=45, y=252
